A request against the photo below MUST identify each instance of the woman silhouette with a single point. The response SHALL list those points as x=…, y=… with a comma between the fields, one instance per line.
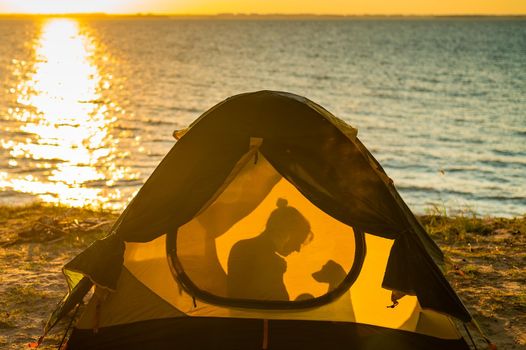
x=256, y=266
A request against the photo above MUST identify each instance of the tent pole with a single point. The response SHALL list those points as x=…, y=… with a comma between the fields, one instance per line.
x=470, y=337
x=69, y=326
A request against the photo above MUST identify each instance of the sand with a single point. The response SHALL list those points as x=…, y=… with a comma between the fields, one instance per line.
x=35, y=242
x=486, y=259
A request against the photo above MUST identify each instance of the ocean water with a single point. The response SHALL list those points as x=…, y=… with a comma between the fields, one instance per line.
x=88, y=107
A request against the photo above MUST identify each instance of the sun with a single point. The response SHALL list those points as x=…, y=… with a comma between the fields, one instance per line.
x=66, y=6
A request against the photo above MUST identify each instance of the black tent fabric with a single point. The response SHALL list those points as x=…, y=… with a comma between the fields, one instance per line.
x=321, y=157
x=246, y=334
x=306, y=144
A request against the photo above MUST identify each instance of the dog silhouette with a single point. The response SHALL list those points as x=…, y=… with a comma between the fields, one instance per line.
x=331, y=273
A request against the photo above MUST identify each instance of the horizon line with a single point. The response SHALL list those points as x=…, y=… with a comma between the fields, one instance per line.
x=250, y=15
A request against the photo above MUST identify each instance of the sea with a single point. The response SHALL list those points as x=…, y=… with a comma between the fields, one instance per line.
x=88, y=105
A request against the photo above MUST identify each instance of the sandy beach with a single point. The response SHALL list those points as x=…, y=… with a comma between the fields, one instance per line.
x=486, y=259
x=35, y=242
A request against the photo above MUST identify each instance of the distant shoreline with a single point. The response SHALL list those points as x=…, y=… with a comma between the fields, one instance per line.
x=245, y=16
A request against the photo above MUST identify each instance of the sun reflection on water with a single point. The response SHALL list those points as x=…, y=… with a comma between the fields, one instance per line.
x=66, y=123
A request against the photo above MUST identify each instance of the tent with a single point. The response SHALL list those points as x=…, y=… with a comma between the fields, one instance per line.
x=268, y=225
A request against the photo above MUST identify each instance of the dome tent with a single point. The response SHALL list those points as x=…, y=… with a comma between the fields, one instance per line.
x=368, y=277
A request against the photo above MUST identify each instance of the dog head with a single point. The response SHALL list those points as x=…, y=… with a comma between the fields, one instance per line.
x=332, y=273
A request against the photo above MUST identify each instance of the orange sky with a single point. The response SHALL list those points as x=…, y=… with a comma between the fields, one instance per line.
x=415, y=7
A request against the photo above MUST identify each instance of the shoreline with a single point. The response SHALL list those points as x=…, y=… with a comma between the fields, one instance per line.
x=485, y=263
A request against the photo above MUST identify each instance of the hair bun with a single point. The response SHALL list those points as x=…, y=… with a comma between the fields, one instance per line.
x=282, y=203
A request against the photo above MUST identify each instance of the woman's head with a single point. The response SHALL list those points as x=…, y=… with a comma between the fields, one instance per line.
x=288, y=228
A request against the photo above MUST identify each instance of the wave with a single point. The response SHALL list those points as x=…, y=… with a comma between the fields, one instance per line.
x=462, y=194
x=509, y=153
x=500, y=163
x=156, y=122
x=126, y=128
x=431, y=190
x=185, y=109
x=118, y=184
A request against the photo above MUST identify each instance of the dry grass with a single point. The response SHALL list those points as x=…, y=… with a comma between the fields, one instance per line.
x=486, y=260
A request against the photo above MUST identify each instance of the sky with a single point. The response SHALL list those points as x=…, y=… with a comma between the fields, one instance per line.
x=338, y=7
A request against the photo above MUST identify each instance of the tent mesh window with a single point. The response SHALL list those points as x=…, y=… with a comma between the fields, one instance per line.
x=260, y=243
